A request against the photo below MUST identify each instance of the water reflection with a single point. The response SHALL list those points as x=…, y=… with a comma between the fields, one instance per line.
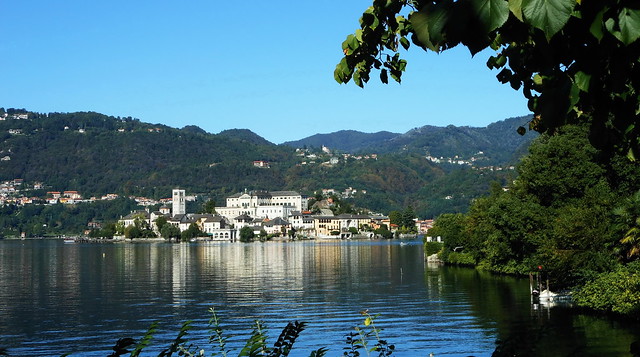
x=62, y=298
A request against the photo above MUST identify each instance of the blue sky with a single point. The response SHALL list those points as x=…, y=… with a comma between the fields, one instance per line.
x=266, y=66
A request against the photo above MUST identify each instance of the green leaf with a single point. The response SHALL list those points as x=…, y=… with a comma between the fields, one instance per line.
x=490, y=13
x=596, y=26
x=367, y=18
x=629, y=21
x=582, y=81
x=429, y=24
x=342, y=73
x=357, y=80
x=574, y=97
x=501, y=60
x=405, y=43
x=350, y=45
x=384, y=77
x=420, y=23
x=515, y=6
x=550, y=16
x=359, y=35
x=537, y=79
x=402, y=65
x=504, y=76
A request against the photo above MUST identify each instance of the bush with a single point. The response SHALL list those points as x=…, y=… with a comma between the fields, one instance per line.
x=246, y=234
x=617, y=291
x=460, y=258
x=431, y=248
x=384, y=233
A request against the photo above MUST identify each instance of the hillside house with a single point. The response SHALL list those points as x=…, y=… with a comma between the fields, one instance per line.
x=262, y=164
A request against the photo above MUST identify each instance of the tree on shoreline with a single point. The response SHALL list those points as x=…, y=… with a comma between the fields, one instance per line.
x=246, y=234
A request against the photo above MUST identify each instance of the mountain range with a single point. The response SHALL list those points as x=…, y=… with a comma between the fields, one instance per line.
x=498, y=141
x=98, y=154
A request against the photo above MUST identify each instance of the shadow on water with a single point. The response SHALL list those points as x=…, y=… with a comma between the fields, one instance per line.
x=538, y=330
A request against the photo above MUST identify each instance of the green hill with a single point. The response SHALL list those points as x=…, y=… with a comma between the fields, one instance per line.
x=98, y=154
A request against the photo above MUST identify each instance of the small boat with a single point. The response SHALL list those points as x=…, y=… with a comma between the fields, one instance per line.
x=69, y=240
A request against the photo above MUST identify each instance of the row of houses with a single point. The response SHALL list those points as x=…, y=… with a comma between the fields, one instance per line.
x=274, y=213
x=300, y=224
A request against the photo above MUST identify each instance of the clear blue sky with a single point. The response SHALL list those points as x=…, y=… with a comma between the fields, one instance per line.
x=266, y=66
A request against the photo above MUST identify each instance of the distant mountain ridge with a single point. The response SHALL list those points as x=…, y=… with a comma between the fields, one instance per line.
x=499, y=141
x=245, y=135
x=350, y=141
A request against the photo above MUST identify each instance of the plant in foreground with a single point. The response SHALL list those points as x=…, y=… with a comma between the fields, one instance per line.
x=365, y=338
x=359, y=339
x=256, y=345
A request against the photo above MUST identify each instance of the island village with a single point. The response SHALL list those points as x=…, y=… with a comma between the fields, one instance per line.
x=283, y=214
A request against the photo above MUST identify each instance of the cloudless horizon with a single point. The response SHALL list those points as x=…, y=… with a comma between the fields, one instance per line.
x=265, y=66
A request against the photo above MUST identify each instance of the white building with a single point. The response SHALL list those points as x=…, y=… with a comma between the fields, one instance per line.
x=263, y=204
x=302, y=222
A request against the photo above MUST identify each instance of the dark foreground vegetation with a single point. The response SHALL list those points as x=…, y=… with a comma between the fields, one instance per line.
x=573, y=213
x=364, y=340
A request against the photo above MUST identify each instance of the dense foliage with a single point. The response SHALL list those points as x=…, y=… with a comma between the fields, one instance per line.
x=617, y=291
x=404, y=220
x=568, y=212
x=575, y=61
x=40, y=220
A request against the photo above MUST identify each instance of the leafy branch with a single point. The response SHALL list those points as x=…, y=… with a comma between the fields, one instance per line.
x=574, y=61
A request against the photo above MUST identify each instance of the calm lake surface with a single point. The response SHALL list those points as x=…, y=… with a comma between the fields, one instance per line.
x=81, y=298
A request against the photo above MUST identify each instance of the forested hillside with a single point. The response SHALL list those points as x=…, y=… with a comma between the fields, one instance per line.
x=97, y=154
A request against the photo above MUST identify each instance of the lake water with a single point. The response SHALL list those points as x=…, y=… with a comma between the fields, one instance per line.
x=81, y=298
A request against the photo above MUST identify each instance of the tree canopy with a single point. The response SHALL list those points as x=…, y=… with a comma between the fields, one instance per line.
x=575, y=61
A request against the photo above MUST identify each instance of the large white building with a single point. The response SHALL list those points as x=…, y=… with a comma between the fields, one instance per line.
x=263, y=204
